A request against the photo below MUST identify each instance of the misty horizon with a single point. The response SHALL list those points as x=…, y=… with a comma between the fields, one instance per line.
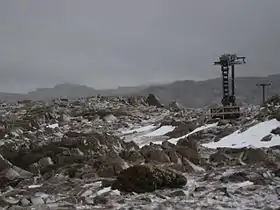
x=147, y=85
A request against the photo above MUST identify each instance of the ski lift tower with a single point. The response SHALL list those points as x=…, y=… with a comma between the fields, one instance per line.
x=229, y=108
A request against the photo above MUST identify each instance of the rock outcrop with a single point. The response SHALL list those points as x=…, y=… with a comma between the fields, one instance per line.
x=148, y=178
x=152, y=100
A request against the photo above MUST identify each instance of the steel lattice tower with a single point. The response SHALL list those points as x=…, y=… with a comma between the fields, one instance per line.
x=227, y=62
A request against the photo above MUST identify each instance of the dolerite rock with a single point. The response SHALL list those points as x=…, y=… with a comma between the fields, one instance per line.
x=4, y=163
x=148, y=149
x=2, y=132
x=247, y=155
x=167, y=145
x=223, y=122
x=159, y=156
x=131, y=145
x=277, y=116
x=190, y=154
x=110, y=118
x=219, y=157
x=224, y=132
x=45, y=162
x=235, y=177
x=243, y=176
x=131, y=155
x=267, y=138
x=189, y=142
x=276, y=131
x=254, y=155
x=174, y=106
x=277, y=172
x=152, y=100
x=178, y=193
x=173, y=156
x=111, y=166
x=148, y=178
x=191, y=167
x=181, y=130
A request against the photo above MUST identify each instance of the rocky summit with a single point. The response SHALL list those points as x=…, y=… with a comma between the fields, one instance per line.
x=137, y=153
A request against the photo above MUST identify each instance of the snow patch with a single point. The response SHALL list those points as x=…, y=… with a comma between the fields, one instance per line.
x=250, y=138
x=53, y=126
x=175, y=140
x=139, y=130
x=204, y=127
x=161, y=131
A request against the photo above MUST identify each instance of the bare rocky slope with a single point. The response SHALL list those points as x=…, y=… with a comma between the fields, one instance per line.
x=133, y=153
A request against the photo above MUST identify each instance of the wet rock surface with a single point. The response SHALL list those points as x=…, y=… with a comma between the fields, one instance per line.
x=131, y=152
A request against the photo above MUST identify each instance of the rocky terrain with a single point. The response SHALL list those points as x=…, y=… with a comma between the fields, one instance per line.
x=135, y=153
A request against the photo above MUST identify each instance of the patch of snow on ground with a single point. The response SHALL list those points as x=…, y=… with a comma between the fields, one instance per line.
x=161, y=131
x=104, y=190
x=53, y=126
x=139, y=130
x=173, y=140
x=204, y=127
x=250, y=138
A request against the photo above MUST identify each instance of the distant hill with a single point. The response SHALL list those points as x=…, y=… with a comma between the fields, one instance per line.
x=189, y=93
x=202, y=93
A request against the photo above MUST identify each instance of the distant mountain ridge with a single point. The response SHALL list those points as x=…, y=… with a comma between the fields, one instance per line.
x=188, y=92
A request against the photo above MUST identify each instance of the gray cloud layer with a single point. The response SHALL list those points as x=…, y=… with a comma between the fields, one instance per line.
x=107, y=43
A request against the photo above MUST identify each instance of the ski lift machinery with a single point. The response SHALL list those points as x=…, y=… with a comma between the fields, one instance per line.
x=229, y=108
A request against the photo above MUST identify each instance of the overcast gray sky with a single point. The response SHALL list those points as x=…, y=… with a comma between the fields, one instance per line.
x=110, y=43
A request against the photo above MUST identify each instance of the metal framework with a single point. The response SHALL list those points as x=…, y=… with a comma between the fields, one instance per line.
x=263, y=86
x=227, y=63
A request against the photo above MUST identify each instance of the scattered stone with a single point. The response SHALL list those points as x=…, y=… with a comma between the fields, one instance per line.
x=220, y=157
x=173, y=156
x=191, y=167
x=152, y=100
x=110, y=118
x=235, y=177
x=178, y=193
x=45, y=162
x=25, y=202
x=190, y=142
x=190, y=154
x=111, y=166
x=223, y=122
x=77, y=152
x=108, y=182
x=131, y=155
x=37, y=200
x=167, y=145
x=276, y=131
x=267, y=138
x=174, y=106
x=181, y=130
x=246, y=155
x=100, y=200
x=223, y=133
x=12, y=174
x=158, y=156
